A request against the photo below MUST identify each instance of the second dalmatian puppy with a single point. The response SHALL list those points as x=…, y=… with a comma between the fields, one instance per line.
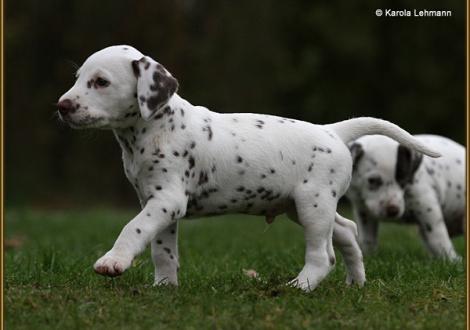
x=392, y=181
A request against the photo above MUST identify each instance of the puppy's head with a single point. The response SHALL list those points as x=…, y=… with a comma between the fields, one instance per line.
x=381, y=170
x=115, y=87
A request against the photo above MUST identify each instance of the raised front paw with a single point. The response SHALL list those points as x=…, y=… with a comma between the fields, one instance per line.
x=112, y=265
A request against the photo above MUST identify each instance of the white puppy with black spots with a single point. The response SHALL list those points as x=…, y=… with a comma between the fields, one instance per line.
x=185, y=160
x=392, y=181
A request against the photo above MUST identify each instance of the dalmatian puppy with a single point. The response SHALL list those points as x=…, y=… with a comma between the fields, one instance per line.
x=392, y=181
x=186, y=161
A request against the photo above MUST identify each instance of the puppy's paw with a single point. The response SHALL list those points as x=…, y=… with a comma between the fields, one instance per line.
x=309, y=278
x=358, y=279
x=166, y=281
x=302, y=283
x=455, y=258
x=112, y=265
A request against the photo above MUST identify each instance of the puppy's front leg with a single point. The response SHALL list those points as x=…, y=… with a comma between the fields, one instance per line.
x=165, y=256
x=433, y=230
x=156, y=216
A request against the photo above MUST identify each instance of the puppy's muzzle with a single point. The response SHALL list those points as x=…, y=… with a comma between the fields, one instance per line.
x=392, y=211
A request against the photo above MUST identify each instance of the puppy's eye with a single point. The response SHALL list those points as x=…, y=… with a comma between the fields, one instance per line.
x=375, y=182
x=100, y=82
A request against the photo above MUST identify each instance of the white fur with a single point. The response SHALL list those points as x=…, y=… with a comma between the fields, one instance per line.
x=185, y=160
x=434, y=199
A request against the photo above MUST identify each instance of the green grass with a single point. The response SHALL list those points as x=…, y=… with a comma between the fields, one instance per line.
x=50, y=284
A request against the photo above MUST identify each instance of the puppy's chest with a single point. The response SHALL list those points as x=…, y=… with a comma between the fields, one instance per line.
x=137, y=155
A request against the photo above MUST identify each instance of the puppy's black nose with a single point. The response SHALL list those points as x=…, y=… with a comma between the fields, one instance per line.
x=65, y=107
x=392, y=211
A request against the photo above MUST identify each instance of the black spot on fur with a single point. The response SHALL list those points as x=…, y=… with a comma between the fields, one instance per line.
x=203, y=178
x=191, y=162
x=430, y=171
x=332, y=260
x=158, y=187
x=208, y=129
x=159, y=241
x=428, y=227
x=239, y=159
x=138, y=230
x=333, y=193
x=167, y=250
x=135, y=68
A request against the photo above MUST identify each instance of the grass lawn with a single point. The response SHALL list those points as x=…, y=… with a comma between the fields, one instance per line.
x=49, y=282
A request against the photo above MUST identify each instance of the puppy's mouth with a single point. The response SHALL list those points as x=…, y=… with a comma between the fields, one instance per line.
x=84, y=122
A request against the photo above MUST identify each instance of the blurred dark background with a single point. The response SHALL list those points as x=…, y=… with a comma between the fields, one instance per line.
x=318, y=61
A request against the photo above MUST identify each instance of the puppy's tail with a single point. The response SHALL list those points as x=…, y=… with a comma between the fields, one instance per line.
x=349, y=130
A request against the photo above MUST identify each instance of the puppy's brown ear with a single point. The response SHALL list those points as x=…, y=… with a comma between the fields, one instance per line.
x=155, y=86
x=356, y=153
x=407, y=164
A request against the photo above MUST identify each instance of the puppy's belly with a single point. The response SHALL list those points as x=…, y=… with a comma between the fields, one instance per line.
x=251, y=202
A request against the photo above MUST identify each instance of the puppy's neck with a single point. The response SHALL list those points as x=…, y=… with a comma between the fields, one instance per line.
x=170, y=118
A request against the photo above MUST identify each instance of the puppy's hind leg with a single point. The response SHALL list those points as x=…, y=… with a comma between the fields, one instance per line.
x=165, y=256
x=318, y=220
x=345, y=239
